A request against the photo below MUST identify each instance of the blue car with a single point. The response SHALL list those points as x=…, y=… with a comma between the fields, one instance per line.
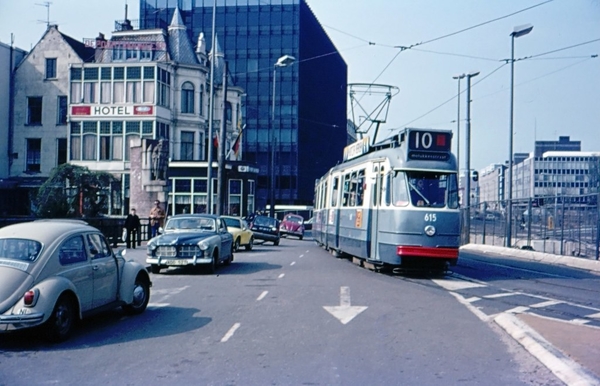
x=196, y=240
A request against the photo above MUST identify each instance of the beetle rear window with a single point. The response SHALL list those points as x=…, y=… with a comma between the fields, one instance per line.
x=20, y=249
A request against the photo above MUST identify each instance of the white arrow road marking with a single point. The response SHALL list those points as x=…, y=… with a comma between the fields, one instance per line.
x=344, y=312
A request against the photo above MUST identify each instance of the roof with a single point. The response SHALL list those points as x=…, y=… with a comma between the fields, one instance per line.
x=180, y=46
x=85, y=53
x=45, y=231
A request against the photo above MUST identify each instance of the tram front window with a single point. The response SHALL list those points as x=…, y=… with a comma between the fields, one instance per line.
x=435, y=190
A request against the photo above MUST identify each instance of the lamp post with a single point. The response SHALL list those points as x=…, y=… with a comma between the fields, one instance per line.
x=468, y=157
x=459, y=77
x=284, y=61
x=517, y=33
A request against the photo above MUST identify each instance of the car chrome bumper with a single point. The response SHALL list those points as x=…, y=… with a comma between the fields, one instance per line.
x=174, y=262
x=17, y=321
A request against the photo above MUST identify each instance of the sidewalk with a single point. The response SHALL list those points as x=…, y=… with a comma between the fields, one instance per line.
x=571, y=351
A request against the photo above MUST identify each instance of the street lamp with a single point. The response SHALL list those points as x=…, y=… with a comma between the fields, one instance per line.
x=284, y=61
x=468, y=157
x=459, y=77
x=517, y=33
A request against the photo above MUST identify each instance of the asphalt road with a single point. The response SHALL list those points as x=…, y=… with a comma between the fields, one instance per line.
x=286, y=315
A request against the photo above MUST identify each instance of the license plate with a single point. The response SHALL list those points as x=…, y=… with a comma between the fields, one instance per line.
x=176, y=262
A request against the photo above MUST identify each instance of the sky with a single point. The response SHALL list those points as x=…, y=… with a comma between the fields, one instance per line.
x=556, y=79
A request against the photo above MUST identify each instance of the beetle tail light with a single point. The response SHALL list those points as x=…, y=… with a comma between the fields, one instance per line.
x=30, y=297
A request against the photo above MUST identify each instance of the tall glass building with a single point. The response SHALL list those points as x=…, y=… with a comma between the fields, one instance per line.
x=300, y=108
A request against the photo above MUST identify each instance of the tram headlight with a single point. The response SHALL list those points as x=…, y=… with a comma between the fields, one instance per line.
x=430, y=230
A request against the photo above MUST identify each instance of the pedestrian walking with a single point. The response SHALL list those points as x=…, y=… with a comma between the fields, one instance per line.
x=132, y=225
x=157, y=217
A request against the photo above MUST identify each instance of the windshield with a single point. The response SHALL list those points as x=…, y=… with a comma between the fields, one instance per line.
x=20, y=249
x=232, y=222
x=187, y=224
x=425, y=189
x=265, y=221
x=296, y=219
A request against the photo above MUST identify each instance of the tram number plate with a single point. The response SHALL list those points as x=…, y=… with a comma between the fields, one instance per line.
x=176, y=262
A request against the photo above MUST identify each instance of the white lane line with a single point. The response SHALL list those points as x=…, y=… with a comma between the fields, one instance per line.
x=566, y=369
x=293, y=263
x=472, y=299
x=594, y=315
x=301, y=256
x=453, y=284
x=158, y=305
x=545, y=304
x=481, y=315
x=230, y=332
x=517, y=310
x=262, y=296
x=500, y=295
x=280, y=276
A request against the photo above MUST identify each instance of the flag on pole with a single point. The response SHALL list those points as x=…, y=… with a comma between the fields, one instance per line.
x=235, y=148
x=216, y=140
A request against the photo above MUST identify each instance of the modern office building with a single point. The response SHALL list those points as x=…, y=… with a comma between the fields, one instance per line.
x=300, y=109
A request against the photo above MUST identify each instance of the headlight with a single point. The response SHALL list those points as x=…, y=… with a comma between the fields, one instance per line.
x=203, y=245
x=430, y=230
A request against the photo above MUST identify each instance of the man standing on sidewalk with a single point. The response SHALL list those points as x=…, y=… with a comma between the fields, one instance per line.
x=157, y=216
x=132, y=224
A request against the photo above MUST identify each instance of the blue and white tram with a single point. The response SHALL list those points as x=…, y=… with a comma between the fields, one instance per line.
x=394, y=203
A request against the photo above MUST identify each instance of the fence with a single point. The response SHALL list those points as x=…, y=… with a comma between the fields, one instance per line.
x=562, y=225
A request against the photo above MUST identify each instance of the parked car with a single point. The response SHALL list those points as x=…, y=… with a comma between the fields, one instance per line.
x=54, y=272
x=239, y=229
x=265, y=228
x=292, y=225
x=198, y=240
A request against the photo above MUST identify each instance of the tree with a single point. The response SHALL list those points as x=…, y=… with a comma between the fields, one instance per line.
x=73, y=191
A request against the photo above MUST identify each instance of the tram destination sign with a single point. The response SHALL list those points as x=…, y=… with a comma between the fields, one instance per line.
x=429, y=145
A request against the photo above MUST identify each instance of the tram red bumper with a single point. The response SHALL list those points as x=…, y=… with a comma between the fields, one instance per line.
x=437, y=253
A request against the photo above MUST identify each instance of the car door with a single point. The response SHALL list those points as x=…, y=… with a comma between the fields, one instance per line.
x=226, y=238
x=104, y=269
x=75, y=266
x=246, y=232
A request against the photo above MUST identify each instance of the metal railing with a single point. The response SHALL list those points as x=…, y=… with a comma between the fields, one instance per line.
x=561, y=225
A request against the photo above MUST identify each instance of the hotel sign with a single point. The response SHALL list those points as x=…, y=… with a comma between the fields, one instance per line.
x=111, y=110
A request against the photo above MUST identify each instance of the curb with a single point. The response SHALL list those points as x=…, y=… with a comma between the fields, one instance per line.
x=566, y=369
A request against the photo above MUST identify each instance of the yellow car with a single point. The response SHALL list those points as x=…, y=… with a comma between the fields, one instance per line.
x=242, y=235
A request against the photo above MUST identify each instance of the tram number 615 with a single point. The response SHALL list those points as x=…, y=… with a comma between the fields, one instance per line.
x=430, y=217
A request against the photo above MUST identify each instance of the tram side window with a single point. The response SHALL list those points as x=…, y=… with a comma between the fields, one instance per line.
x=452, y=191
x=346, y=190
x=360, y=187
x=335, y=192
x=398, y=189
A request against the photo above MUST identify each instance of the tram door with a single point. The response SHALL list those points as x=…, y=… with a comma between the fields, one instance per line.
x=378, y=170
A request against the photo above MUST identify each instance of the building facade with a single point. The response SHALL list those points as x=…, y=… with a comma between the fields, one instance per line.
x=135, y=106
x=295, y=116
x=10, y=57
x=547, y=176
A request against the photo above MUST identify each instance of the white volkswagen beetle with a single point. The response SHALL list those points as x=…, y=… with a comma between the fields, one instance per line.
x=54, y=272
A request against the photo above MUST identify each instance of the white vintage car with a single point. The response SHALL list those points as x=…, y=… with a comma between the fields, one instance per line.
x=53, y=272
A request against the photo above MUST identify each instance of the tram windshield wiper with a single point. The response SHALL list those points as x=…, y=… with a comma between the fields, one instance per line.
x=415, y=189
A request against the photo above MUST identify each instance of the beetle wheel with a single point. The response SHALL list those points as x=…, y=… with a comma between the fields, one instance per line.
x=60, y=324
x=236, y=245
x=141, y=296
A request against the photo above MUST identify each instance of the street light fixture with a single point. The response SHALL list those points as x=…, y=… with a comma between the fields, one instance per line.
x=284, y=61
x=459, y=77
x=468, y=157
x=517, y=33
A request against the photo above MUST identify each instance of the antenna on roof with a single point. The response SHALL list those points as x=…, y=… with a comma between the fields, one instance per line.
x=47, y=5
